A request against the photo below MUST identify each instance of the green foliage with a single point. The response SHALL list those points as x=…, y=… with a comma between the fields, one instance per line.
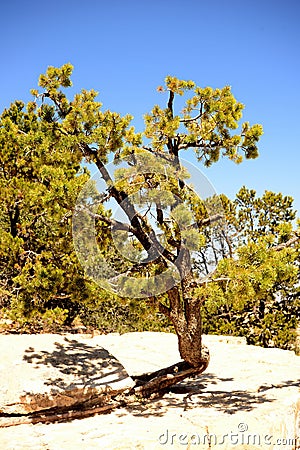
x=255, y=293
x=265, y=215
x=113, y=316
x=50, y=321
x=208, y=117
x=42, y=147
x=246, y=219
x=40, y=179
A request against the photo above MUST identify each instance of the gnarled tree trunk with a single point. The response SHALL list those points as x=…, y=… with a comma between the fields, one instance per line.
x=184, y=311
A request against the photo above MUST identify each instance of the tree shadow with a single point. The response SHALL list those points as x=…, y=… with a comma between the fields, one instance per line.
x=283, y=384
x=92, y=366
x=197, y=393
x=78, y=364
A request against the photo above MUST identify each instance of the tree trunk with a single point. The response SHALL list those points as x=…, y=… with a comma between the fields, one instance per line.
x=185, y=314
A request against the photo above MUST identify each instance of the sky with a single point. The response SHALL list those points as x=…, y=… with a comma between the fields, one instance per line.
x=125, y=49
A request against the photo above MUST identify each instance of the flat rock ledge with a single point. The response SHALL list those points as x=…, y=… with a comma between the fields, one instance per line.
x=39, y=372
x=248, y=398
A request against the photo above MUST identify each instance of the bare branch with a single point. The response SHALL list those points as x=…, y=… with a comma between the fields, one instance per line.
x=115, y=224
x=191, y=119
x=198, y=144
x=290, y=242
x=210, y=280
x=211, y=220
x=159, y=214
x=205, y=222
x=160, y=155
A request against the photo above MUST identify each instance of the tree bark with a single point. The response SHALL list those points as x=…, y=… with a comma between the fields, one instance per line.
x=160, y=381
x=184, y=311
x=55, y=416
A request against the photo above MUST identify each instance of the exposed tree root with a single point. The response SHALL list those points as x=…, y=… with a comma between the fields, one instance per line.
x=161, y=380
x=54, y=415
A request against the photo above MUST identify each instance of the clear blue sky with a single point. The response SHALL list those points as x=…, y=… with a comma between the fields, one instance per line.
x=124, y=49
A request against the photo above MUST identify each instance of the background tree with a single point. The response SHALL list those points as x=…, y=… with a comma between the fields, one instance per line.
x=40, y=178
x=257, y=256
x=247, y=219
x=165, y=234
x=251, y=295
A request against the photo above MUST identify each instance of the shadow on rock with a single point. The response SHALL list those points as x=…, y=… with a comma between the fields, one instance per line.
x=95, y=366
x=197, y=393
x=78, y=361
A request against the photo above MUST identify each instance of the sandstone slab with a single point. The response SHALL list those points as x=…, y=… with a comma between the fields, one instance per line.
x=247, y=399
x=39, y=372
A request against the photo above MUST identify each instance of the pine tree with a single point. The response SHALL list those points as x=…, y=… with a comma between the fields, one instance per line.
x=161, y=239
x=254, y=290
x=40, y=179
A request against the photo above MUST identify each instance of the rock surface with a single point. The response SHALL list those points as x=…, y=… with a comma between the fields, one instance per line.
x=247, y=399
x=38, y=372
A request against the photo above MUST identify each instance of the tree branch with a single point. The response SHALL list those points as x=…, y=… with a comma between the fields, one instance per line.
x=191, y=119
x=115, y=224
x=199, y=144
x=147, y=238
x=170, y=102
x=163, y=224
x=160, y=155
x=290, y=242
x=205, y=222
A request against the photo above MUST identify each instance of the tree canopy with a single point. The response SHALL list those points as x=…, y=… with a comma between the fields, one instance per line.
x=165, y=237
x=207, y=124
